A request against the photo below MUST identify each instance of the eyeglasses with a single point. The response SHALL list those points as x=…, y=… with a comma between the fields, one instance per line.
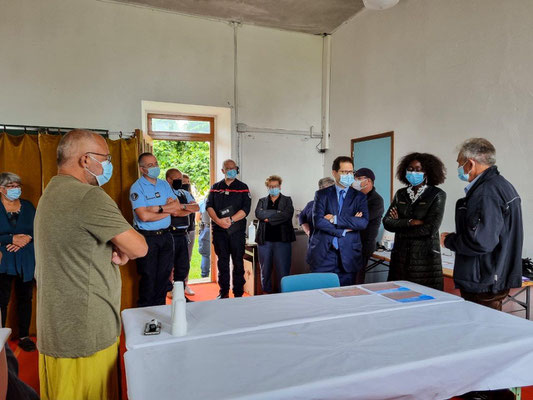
x=107, y=156
x=346, y=172
x=151, y=165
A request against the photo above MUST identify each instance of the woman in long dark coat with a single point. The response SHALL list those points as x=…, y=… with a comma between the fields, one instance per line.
x=415, y=215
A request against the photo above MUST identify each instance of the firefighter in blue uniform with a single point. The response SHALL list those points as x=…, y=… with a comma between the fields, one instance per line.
x=228, y=204
x=153, y=203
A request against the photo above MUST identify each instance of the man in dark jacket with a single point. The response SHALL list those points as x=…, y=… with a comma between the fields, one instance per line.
x=305, y=219
x=489, y=233
x=364, y=182
x=228, y=204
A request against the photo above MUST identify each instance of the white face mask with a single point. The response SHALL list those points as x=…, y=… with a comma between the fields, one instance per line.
x=357, y=185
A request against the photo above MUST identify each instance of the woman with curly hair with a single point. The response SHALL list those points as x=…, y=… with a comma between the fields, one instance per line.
x=415, y=215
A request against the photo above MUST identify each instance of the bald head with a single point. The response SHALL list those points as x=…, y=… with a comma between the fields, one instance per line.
x=76, y=143
x=173, y=173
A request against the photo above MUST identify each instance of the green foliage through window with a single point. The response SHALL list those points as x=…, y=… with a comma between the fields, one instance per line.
x=191, y=158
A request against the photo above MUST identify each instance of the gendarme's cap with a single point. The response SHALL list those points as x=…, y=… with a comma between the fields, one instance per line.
x=365, y=172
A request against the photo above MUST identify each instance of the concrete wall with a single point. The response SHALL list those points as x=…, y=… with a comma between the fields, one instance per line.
x=88, y=63
x=437, y=72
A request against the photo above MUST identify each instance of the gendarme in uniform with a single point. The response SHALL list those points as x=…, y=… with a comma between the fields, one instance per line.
x=155, y=268
x=180, y=226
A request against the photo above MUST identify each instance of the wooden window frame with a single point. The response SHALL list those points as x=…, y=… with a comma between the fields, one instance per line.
x=183, y=136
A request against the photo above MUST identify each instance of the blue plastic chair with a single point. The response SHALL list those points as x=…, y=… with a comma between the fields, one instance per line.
x=316, y=280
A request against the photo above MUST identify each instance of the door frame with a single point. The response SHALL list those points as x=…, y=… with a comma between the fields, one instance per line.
x=379, y=136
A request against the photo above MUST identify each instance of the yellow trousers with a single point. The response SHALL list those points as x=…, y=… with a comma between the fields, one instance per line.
x=84, y=378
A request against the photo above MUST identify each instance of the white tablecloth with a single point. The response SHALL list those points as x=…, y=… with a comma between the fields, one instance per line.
x=431, y=352
x=232, y=316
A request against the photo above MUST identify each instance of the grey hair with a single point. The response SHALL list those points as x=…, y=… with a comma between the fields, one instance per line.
x=325, y=182
x=9, y=177
x=68, y=145
x=478, y=149
x=227, y=161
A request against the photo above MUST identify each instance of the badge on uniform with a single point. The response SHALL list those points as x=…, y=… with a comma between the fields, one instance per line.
x=157, y=195
x=134, y=196
x=226, y=192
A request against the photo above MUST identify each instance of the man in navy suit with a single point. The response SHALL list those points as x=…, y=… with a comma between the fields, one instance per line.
x=339, y=213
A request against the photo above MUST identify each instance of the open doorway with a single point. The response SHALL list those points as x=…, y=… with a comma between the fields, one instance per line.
x=186, y=143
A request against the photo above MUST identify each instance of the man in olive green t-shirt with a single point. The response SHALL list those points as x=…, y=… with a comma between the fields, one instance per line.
x=80, y=239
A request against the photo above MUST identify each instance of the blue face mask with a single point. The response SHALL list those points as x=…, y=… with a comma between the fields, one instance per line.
x=415, y=178
x=346, y=180
x=231, y=174
x=461, y=173
x=274, y=191
x=153, y=172
x=13, y=194
x=107, y=172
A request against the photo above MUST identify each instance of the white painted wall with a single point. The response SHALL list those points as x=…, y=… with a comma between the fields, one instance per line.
x=437, y=72
x=279, y=87
x=89, y=63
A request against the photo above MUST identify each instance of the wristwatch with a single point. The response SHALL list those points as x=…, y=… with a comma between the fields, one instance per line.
x=231, y=220
x=160, y=211
x=183, y=207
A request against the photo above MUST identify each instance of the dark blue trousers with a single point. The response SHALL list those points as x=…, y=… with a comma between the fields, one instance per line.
x=155, y=269
x=181, y=257
x=333, y=263
x=226, y=246
x=279, y=254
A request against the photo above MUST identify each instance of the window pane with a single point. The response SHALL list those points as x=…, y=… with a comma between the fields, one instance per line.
x=173, y=125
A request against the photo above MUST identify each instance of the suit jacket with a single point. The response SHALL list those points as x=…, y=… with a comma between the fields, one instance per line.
x=282, y=216
x=321, y=242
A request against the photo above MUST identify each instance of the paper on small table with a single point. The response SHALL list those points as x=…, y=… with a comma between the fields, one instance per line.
x=349, y=291
x=379, y=287
x=406, y=296
x=398, y=293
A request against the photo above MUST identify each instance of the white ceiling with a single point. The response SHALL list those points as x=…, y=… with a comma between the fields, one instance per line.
x=308, y=16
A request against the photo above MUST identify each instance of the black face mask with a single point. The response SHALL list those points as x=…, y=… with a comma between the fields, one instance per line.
x=186, y=187
x=176, y=184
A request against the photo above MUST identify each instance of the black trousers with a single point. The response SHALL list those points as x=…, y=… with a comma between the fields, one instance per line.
x=155, y=269
x=361, y=274
x=24, y=294
x=227, y=245
x=181, y=257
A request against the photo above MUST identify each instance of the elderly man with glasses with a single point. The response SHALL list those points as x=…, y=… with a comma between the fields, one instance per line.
x=81, y=238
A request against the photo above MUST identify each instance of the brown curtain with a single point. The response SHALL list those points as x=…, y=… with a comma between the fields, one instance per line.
x=33, y=158
x=21, y=155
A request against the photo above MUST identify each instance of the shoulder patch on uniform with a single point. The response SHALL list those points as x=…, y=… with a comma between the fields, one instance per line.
x=134, y=196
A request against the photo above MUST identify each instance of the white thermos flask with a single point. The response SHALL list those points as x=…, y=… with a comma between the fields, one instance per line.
x=179, y=313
